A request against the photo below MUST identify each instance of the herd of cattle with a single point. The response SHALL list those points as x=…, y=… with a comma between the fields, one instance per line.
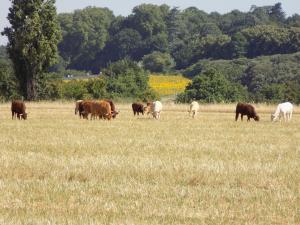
x=105, y=109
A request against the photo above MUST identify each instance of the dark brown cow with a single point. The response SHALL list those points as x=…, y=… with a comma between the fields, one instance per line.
x=78, y=108
x=101, y=109
x=18, y=109
x=114, y=113
x=137, y=108
x=85, y=108
x=245, y=109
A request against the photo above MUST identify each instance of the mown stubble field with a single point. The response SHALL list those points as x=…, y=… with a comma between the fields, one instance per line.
x=58, y=169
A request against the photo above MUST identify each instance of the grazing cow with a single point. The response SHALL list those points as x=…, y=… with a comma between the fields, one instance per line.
x=101, y=109
x=137, y=108
x=283, y=109
x=245, y=109
x=155, y=108
x=194, y=108
x=78, y=108
x=114, y=113
x=18, y=109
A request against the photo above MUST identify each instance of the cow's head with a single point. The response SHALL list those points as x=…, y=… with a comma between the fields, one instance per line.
x=147, y=108
x=256, y=118
x=84, y=115
x=114, y=114
x=108, y=116
x=24, y=116
x=273, y=117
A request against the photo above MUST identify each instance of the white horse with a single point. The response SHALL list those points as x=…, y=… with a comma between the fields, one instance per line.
x=284, y=109
x=194, y=108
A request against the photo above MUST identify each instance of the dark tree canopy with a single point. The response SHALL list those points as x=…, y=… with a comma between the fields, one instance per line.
x=32, y=41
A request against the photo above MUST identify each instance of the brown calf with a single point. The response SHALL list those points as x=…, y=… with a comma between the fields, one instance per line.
x=245, y=109
x=18, y=109
x=137, y=108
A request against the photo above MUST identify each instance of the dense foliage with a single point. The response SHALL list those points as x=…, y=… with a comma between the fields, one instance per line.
x=122, y=79
x=8, y=88
x=32, y=42
x=94, y=37
x=269, y=78
x=236, y=56
x=212, y=86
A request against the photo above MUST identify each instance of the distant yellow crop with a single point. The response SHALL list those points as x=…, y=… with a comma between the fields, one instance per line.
x=168, y=84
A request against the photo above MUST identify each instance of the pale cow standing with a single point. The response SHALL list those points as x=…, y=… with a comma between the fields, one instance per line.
x=194, y=108
x=154, y=108
x=285, y=110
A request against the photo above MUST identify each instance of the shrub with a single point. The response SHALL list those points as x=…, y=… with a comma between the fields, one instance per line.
x=126, y=78
x=158, y=62
x=8, y=83
x=74, y=89
x=212, y=86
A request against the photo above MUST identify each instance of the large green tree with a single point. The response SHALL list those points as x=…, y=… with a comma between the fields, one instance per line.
x=32, y=41
x=85, y=33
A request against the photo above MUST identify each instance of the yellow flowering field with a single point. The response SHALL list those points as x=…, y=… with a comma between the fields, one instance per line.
x=168, y=84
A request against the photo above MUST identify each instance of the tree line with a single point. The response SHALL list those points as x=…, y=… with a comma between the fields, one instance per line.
x=158, y=38
x=94, y=37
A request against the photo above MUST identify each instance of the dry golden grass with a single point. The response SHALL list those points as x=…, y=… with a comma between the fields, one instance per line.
x=58, y=169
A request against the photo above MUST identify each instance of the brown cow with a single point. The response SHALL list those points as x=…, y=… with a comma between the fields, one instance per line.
x=18, y=109
x=114, y=113
x=85, y=107
x=245, y=109
x=78, y=108
x=137, y=108
x=148, y=108
x=101, y=109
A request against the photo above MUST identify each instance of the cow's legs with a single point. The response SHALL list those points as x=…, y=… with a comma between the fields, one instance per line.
x=290, y=116
x=284, y=117
x=236, y=116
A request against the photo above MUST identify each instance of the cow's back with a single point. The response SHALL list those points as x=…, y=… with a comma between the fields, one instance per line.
x=18, y=106
x=286, y=107
x=157, y=106
x=137, y=107
x=194, y=106
x=244, y=108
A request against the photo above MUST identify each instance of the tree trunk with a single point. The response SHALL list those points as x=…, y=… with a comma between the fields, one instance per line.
x=31, y=89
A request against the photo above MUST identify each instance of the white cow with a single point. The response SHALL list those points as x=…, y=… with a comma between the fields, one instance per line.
x=194, y=108
x=284, y=109
x=154, y=108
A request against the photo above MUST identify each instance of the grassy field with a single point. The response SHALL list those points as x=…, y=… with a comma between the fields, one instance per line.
x=168, y=84
x=58, y=169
